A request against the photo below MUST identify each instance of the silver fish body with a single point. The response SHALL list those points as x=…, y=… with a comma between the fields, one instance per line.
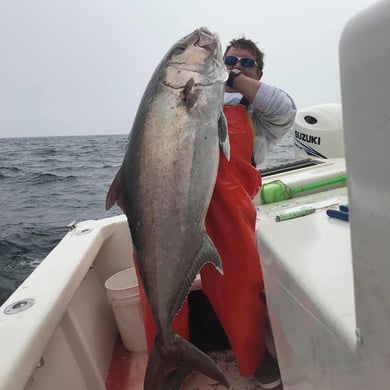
x=165, y=186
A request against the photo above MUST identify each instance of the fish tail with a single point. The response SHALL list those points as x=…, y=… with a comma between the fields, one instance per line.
x=169, y=365
x=175, y=379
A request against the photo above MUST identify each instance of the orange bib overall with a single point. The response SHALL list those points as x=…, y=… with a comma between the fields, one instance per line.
x=230, y=223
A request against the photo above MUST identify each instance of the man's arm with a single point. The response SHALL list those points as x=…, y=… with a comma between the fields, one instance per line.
x=273, y=113
x=245, y=85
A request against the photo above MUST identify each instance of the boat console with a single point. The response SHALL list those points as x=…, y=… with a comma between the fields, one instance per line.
x=327, y=279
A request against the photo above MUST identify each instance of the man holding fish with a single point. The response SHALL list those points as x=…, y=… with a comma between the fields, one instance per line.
x=186, y=185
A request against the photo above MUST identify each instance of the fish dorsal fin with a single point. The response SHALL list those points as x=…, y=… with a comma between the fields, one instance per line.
x=224, y=136
x=207, y=254
x=114, y=194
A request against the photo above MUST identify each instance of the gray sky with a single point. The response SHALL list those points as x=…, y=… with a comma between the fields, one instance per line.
x=81, y=66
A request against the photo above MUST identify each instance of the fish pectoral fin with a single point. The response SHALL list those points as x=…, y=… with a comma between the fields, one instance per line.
x=224, y=136
x=183, y=356
x=188, y=95
x=114, y=194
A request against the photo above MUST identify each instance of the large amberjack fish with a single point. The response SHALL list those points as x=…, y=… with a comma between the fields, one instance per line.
x=165, y=186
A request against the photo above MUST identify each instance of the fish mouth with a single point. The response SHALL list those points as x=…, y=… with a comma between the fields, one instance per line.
x=202, y=37
x=206, y=39
x=203, y=61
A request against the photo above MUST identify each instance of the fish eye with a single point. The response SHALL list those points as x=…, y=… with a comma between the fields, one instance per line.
x=179, y=50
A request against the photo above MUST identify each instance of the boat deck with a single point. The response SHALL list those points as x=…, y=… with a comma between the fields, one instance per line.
x=128, y=369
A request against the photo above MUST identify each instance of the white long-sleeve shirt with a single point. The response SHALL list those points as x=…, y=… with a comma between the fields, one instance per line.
x=273, y=112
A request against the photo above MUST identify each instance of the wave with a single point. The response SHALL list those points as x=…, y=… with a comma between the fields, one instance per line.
x=6, y=172
x=42, y=178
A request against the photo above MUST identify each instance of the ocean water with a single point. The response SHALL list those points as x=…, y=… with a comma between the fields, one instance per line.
x=47, y=182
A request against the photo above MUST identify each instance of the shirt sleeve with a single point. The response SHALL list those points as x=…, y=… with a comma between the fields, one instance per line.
x=273, y=112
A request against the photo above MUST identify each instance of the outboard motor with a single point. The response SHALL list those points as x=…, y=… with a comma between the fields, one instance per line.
x=318, y=132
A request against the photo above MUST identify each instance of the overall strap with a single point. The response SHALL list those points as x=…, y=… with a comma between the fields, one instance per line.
x=245, y=102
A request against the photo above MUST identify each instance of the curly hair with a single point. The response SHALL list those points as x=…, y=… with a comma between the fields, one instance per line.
x=247, y=44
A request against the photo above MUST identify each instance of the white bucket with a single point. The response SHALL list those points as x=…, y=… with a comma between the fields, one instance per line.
x=123, y=295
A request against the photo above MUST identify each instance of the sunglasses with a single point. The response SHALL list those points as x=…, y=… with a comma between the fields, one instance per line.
x=245, y=62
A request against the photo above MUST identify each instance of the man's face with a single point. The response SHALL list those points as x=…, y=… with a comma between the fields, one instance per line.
x=252, y=72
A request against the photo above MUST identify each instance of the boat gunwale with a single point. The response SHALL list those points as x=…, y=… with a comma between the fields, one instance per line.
x=69, y=261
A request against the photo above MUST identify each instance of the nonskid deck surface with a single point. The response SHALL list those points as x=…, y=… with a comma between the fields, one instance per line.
x=128, y=369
